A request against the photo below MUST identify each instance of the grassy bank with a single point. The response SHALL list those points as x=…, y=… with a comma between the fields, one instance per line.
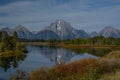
x=86, y=46
x=70, y=45
x=111, y=76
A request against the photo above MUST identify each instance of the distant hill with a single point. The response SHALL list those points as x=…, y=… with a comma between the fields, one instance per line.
x=110, y=32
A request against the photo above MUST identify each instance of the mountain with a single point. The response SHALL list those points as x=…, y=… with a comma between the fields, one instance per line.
x=46, y=35
x=8, y=30
x=34, y=32
x=65, y=31
x=93, y=34
x=59, y=30
x=81, y=34
x=22, y=32
x=110, y=32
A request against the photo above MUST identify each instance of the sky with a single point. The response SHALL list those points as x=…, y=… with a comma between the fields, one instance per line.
x=89, y=15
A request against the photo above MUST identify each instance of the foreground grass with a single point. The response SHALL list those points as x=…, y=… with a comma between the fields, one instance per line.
x=105, y=68
x=111, y=76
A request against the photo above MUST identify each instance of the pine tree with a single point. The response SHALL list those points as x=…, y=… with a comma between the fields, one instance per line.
x=14, y=39
x=4, y=42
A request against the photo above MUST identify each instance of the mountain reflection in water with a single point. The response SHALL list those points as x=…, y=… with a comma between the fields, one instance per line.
x=62, y=56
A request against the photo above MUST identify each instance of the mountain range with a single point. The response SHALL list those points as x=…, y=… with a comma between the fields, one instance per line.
x=61, y=29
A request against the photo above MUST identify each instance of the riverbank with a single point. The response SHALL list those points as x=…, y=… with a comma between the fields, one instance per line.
x=102, y=68
x=86, y=69
x=98, y=50
x=87, y=46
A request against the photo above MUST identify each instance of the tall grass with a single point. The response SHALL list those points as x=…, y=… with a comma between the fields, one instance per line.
x=111, y=76
x=87, y=69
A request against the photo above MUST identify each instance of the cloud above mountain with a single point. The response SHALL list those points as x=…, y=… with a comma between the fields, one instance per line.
x=90, y=15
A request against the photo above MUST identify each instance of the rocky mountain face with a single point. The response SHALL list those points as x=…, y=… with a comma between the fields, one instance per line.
x=60, y=29
x=46, y=35
x=110, y=32
x=65, y=30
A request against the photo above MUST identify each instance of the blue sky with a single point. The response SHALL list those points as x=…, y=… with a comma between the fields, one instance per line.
x=90, y=15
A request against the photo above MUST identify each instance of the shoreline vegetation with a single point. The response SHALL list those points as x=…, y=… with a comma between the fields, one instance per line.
x=95, y=42
x=58, y=44
x=11, y=51
x=10, y=46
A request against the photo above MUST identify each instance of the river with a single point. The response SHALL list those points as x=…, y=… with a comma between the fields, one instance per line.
x=39, y=57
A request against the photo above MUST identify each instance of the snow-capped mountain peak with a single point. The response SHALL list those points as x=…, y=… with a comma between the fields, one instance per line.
x=64, y=30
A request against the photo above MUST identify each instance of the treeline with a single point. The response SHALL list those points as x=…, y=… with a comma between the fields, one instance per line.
x=98, y=40
x=10, y=43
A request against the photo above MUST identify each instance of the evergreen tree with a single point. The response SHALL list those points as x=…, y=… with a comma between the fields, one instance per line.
x=4, y=42
x=14, y=39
